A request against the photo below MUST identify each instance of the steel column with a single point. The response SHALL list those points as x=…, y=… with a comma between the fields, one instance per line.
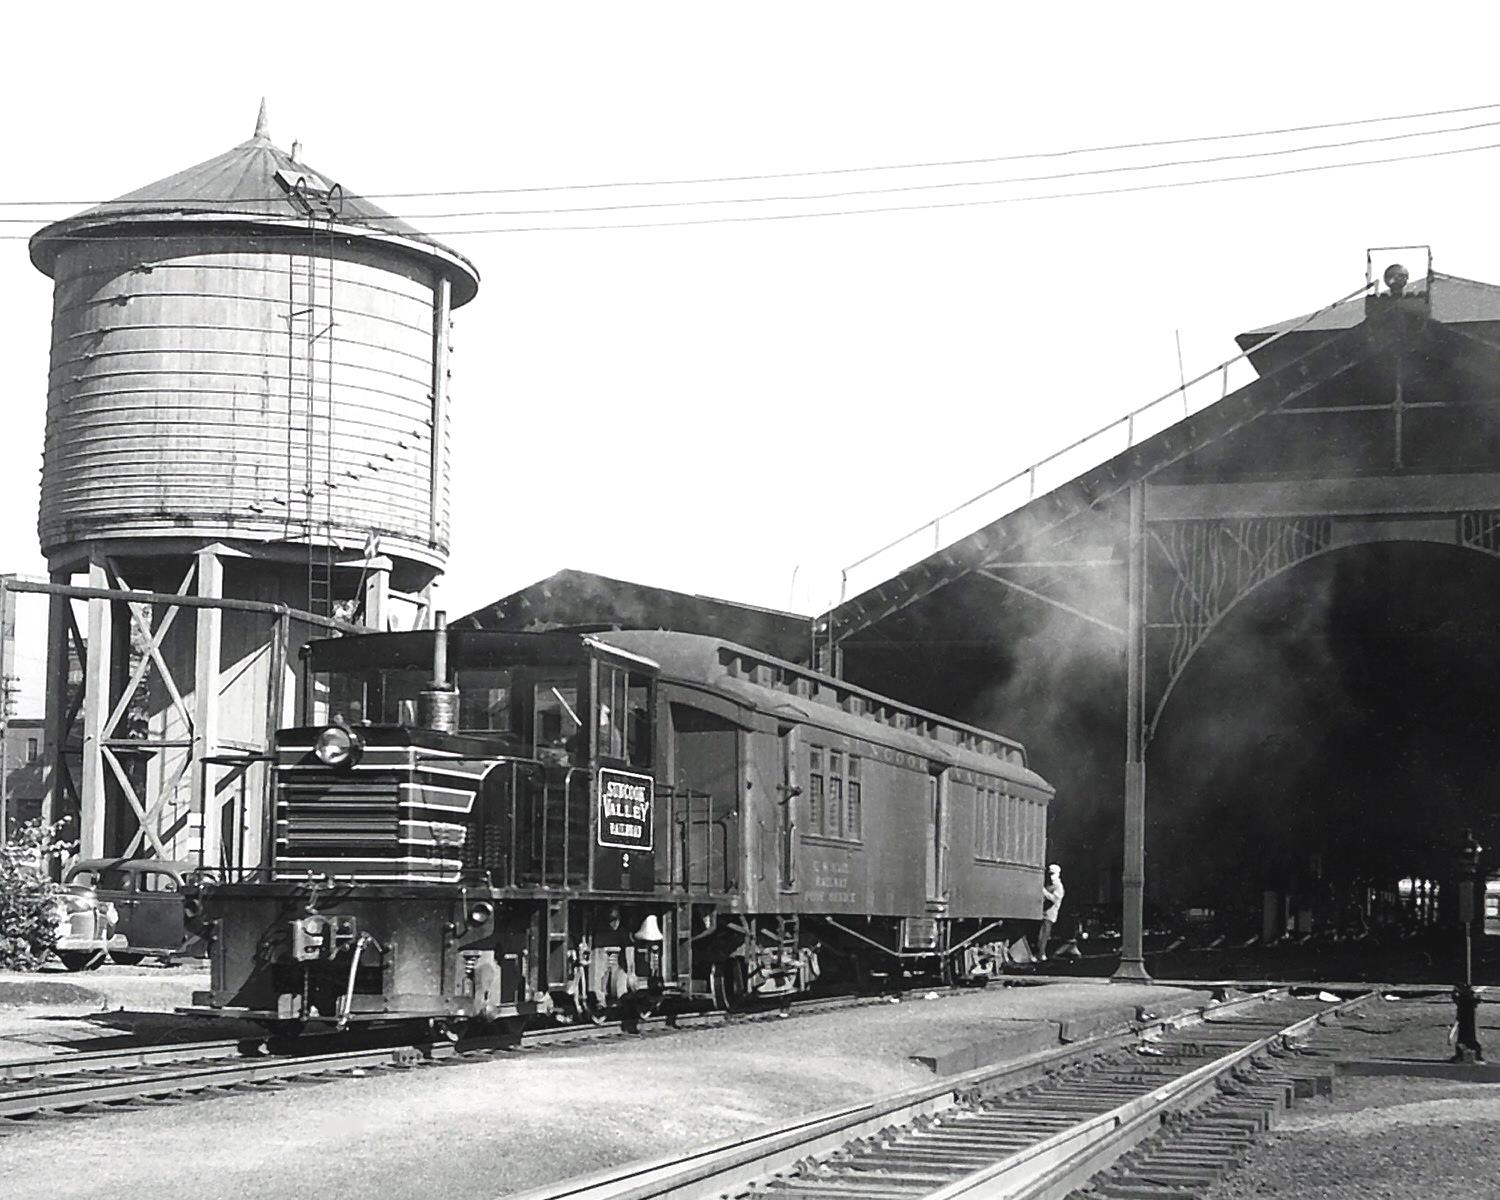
x=55, y=739
x=207, y=652
x=97, y=696
x=1133, y=876
x=7, y=643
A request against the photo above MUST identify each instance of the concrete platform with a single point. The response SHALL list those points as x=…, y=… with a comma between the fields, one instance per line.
x=1458, y=1072
x=1008, y=1039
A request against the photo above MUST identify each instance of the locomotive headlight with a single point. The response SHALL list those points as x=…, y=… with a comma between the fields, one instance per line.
x=481, y=914
x=337, y=747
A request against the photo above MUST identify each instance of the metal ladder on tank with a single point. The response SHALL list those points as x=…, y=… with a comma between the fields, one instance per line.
x=311, y=323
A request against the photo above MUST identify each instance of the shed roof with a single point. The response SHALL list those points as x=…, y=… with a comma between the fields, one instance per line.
x=1453, y=301
x=1450, y=300
x=581, y=600
x=247, y=181
x=1458, y=314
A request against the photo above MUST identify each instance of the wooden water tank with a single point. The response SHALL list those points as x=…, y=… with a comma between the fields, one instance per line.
x=246, y=351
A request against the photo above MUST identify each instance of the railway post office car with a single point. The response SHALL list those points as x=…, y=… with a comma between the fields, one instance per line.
x=580, y=823
x=850, y=834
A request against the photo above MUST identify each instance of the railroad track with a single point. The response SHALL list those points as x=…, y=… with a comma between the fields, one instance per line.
x=1038, y=1129
x=94, y=1081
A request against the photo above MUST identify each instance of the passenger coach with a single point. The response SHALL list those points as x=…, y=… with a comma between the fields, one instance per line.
x=579, y=823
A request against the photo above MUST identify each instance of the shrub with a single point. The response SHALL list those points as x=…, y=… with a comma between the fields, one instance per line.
x=28, y=897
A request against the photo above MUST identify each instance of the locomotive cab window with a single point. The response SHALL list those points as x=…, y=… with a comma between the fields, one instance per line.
x=486, y=702
x=623, y=715
x=379, y=697
x=557, y=727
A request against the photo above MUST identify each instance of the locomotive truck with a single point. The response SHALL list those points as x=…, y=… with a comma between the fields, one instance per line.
x=479, y=826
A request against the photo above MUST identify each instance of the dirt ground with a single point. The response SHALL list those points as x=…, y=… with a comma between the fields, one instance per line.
x=487, y=1129
x=52, y=1011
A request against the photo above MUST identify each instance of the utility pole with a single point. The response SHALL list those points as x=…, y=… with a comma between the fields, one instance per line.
x=9, y=686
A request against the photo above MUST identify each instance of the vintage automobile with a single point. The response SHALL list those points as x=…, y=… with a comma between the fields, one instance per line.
x=85, y=928
x=146, y=897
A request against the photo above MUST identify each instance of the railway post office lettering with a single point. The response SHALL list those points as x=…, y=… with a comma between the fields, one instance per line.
x=830, y=882
x=625, y=804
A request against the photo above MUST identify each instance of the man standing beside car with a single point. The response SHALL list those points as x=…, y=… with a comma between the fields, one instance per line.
x=1052, y=898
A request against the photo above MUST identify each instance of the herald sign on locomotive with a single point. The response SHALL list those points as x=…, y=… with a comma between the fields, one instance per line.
x=625, y=810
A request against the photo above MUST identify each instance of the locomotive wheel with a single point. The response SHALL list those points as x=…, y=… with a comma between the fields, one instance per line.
x=726, y=982
x=284, y=1029
x=80, y=960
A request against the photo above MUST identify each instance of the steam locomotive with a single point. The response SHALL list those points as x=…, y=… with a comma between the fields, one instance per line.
x=487, y=826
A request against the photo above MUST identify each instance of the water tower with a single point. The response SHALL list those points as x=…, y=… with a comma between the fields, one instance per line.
x=248, y=399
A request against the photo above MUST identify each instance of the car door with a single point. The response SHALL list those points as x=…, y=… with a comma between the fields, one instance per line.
x=156, y=919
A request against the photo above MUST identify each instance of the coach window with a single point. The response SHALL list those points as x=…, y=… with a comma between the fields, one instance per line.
x=833, y=811
x=815, y=790
x=853, y=803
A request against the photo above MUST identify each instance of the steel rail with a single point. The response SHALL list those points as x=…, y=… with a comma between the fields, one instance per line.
x=121, y=1058
x=86, y=1092
x=738, y=1163
x=1055, y=1167
x=109, y=1076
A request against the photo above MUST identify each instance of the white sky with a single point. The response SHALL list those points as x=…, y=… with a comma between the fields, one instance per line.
x=714, y=408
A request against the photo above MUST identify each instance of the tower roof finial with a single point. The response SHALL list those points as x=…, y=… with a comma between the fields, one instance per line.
x=260, y=121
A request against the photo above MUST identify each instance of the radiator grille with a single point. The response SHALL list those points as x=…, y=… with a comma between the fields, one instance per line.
x=338, y=815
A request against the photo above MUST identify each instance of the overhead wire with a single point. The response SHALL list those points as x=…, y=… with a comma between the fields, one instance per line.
x=1165, y=185
x=1128, y=168
x=910, y=166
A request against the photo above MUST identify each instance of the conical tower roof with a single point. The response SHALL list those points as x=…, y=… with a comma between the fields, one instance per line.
x=259, y=184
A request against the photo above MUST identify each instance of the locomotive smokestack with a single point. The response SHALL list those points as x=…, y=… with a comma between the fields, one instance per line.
x=439, y=700
x=440, y=650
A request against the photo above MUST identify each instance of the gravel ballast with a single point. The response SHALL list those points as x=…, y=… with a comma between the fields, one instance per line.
x=1412, y=1139
x=1385, y=1136
x=482, y=1130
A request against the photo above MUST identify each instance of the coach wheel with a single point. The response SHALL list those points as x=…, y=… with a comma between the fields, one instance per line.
x=284, y=1030
x=726, y=983
x=80, y=960
x=588, y=1010
x=581, y=1006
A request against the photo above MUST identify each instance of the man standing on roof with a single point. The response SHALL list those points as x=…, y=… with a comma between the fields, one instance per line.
x=1052, y=898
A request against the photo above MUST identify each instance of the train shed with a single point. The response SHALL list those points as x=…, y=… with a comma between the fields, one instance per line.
x=1250, y=649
